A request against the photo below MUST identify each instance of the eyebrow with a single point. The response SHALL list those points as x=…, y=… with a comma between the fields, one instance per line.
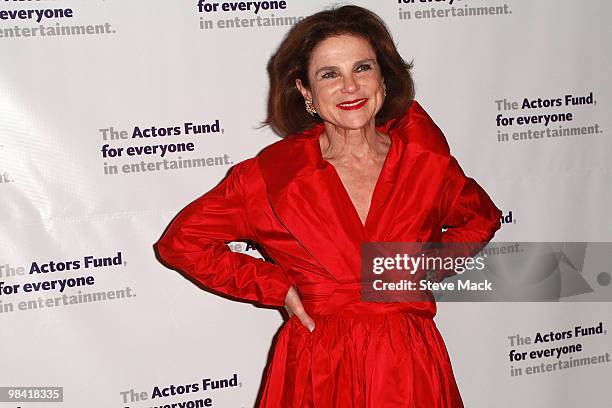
x=330, y=68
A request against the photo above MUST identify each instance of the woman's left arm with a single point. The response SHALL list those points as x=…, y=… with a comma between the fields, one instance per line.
x=468, y=212
x=469, y=216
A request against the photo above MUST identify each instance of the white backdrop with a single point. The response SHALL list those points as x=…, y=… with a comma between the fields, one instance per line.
x=66, y=82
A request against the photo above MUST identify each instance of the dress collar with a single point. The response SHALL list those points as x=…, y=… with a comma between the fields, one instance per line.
x=309, y=199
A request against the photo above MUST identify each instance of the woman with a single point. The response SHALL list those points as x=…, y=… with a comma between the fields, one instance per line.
x=362, y=162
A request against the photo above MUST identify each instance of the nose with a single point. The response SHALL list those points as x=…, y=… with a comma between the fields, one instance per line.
x=349, y=83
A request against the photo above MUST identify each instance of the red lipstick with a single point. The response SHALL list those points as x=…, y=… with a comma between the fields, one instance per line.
x=352, y=105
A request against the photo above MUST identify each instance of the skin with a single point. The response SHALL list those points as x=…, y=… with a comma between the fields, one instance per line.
x=342, y=69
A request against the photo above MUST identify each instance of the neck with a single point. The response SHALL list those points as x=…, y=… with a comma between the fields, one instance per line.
x=338, y=143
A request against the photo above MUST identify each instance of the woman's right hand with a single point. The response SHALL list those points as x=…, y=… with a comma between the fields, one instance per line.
x=294, y=306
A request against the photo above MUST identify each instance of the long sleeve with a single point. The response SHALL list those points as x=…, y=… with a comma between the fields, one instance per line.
x=195, y=243
x=469, y=213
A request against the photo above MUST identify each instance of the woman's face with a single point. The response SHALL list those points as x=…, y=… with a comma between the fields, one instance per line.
x=345, y=82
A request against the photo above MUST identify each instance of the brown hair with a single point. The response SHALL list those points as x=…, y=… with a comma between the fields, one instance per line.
x=286, y=111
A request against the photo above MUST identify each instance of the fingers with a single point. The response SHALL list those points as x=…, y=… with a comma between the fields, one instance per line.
x=305, y=319
x=295, y=307
x=289, y=312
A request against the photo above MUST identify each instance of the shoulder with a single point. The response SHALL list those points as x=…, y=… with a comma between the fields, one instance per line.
x=289, y=144
x=279, y=161
x=287, y=157
x=246, y=172
x=272, y=158
x=419, y=130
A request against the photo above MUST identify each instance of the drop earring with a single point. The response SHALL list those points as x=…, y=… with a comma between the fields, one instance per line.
x=384, y=87
x=310, y=107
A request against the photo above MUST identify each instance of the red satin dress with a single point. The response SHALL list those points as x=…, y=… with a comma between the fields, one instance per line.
x=291, y=201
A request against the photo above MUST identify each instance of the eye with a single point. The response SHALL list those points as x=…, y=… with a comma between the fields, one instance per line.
x=364, y=67
x=329, y=75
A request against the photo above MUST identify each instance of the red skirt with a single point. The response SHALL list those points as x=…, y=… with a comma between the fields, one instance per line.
x=361, y=360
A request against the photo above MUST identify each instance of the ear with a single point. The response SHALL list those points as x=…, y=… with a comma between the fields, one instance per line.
x=303, y=90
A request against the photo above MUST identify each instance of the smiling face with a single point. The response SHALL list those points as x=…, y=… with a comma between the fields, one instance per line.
x=345, y=83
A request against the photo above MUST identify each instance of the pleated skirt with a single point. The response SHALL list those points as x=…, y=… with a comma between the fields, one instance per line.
x=391, y=360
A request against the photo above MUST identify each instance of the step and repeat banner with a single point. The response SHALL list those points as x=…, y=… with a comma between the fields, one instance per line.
x=114, y=115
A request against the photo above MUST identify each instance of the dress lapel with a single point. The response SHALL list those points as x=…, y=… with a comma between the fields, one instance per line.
x=308, y=197
x=304, y=196
x=405, y=207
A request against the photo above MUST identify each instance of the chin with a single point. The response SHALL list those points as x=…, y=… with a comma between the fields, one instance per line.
x=356, y=122
x=353, y=126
